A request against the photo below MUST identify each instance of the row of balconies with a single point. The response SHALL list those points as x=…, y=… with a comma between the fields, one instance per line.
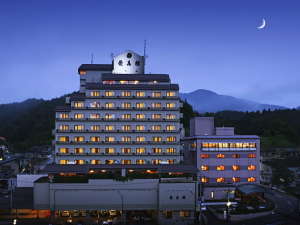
x=117, y=131
x=117, y=153
x=120, y=119
x=129, y=108
x=133, y=96
x=120, y=142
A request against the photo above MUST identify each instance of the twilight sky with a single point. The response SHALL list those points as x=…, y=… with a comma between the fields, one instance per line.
x=208, y=44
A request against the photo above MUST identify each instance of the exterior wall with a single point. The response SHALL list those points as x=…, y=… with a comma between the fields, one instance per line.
x=41, y=196
x=202, y=126
x=215, y=193
x=27, y=180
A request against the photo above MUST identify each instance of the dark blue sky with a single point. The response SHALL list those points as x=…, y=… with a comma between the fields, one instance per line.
x=212, y=44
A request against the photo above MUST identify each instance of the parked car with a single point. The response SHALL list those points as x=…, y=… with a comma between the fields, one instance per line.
x=65, y=213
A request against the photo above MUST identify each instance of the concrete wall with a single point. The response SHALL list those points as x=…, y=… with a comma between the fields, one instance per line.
x=202, y=126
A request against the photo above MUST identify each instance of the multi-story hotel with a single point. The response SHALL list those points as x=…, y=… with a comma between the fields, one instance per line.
x=224, y=159
x=120, y=116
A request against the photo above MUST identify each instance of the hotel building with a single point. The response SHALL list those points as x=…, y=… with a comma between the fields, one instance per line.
x=120, y=116
x=223, y=158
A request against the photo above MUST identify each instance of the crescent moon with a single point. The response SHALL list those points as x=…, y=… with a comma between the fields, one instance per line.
x=263, y=25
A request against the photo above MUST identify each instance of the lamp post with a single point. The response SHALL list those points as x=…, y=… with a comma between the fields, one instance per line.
x=122, y=207
x=228, y=204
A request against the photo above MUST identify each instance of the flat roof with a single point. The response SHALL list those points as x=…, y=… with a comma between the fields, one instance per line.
x=222, y=137
x=95, y=67
x=139, y=77
x=96, y=86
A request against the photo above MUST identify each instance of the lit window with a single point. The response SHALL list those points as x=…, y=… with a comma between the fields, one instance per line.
x=140, y=150
x=170, y=127
x=171, y=150
x=126, y=150
x=109, y=93
x=126, y=93
x=156, y=161
x=95, y=161
x=236, y=156
x=95, y=104
x=109, y=161
x=109, y=127
x=109, y=105
x=109, y=116
x=194, y=145
x=235, y=167
x=78, y=104
x=140, y=116
x=156, y=94
x=204, y=179
x=156, y=139
x=79, y=139
x=171, y=139
x=63, y=150
x=95, y=139
x=170, y=105
x=140, y=94
x=82, y=72
x=95, y=116
x=156, y=150
x=94, y=150
x=95, y=93
x=156, y=116
x=171, y=117
x=251, y=179
x=171, y=161
x=123, y=81
x=140, y=105
x=251, y=167
x=221, y=167
x=126, y=127
x=110, y=151
x=204, y=156
x=251, y=155
x=78, y=115
x=220, y=156
x=140, y=127
x=156, y=105
x=95, y=127
x=79, y=161
x=126, y=105
x=78, y=127
x=63, y=115
x=126, y=116
x=140, y=161
x=220, y=180
x=126, y=139
x=109, y=139
x=109, y=82
x=63, y=139
x=204, y=167
x=79, y=150
x=64, y=127
x=184, y=214
x=126, y=161
x=171, y=93
x=140, y=139
x=63, y=161
x=156, y=127
x=236, y=179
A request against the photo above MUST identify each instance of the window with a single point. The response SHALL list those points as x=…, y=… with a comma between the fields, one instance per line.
x=204, y=167
x=171, y=139
x=156, y=116
x=126, y=139
x=235, y=167
x=109, y=127
x=109, y=116
x=63, y=127
x=63, y=115
x=110, y=151
x=171, y=150
x=156, y=139
x=184, y=213
x=236, y=156
x=63, y=139
x=220, y=156
x=126, y=150
x=156, y=161
x=95, y=161
x=251, y=167
x=109, y=139
x=140, y=105
x=79, y=161
x=171, y=161
x=109, y=161
x=156, y=150
x=170, y=127
x=220, y=167
x=109, y=93
x=126, y=105
x=140, y=127
x=140, y=94
x=140, y=150
x=156, y=94
x=156, y=127
x=204, y=179
x=204, y=156
x=171, y=93
x=95, y=93
x=63, y=150
x=109, y=105
x=94, y=150
x=140, y=161
x=63, y=161
x=140, y=139
x=140, y=116
x=171, y=117
x=220, y=179
x=126, y=161
x=94, y=116
x=251, y=179
x=126, y=116
x=95, y=127
x=78, y=115
x=236, y=179
x=79, y=150
x=78, y=127
x=251, y=155
x=78, y=104
x=79, y=139
x=126, y=93
x=95, y=139
x=95, y=104
x=126, y=127
x=123, y=81
x=82, y=72
x=156, y=105
x=170, y=105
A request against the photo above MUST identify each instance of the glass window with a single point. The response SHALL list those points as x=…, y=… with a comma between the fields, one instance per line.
x=109, y=116
x=204, y=167
x=110, y=151
x=251, y=167
x=95, y=139
x=170, y=127
x=140, y=94
x=156, y=161
x=63, y=138
x=140, y=161
x=251, y=179
x=204, y=179
x=140, y=105
x=94, y=150
x=63, y=150
x=170, y=161
x=63, y=161
x=204, y=156
x=236, y=156
x=235, y=167
x=156, y=150
x=109, y=127
x=251, y=155
x=109, y=161
x=236, y=179
x=156, y=116
x=95, y=104
x=109, y=139
x=126, y=105
x=63, y=127
x=63, y=115
x=140, y=139
x=171, y=93
x=109, y=93
x=220, y=167
x=78, y=127
x=156, y=94
x=126, y=116
x=109, y=105
x=140, y=127
x=95, y=93
x=156, y=105
x=220, y=179
x=156, y=139
x=126, y=127
x=78, y=115
x=79, y=161
x=79, y=139
x=171, y=139
x=78, y=104
x=156, y=127
x=126, y=93
x=126, y=161
x=95, y=161
x=140, y=150
x=126, y=139
x=171, y=150
x=140, y=116
x=95, y=127
x=95, y=116
x=126, y=150
x=220, y=156
x=79, y=150
x=171, y=117
x=170, y=105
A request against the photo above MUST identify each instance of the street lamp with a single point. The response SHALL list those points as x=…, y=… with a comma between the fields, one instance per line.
x=228, y=204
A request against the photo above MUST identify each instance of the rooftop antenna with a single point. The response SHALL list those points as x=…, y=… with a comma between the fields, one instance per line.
x=145, y=45
x=92, y=58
